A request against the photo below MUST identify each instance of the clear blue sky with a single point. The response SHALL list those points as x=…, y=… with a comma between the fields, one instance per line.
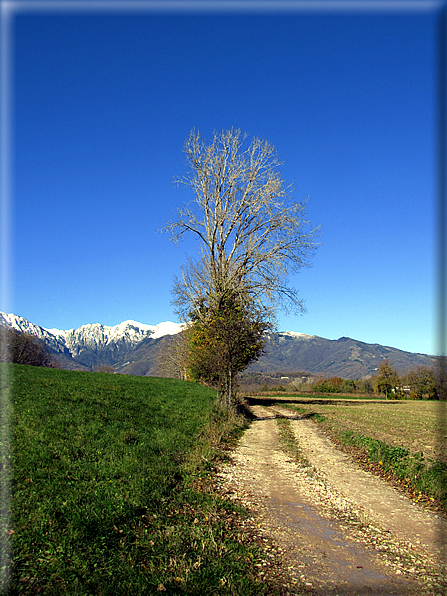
x=103, y=102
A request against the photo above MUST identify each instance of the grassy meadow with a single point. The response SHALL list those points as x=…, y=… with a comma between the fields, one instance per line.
x=111, y=488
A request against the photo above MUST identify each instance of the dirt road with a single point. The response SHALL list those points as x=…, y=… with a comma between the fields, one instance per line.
x=341, y=531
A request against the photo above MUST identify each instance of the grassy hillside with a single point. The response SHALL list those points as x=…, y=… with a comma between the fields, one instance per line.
x=109, y=488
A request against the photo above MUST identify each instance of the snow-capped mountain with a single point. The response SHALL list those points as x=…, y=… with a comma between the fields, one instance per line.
x=55, y=343
x=296, y=335
x=127, y=334
x=93, y=343
x=134, y=348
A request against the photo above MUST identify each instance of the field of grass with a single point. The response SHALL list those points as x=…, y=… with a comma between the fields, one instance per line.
x=111, y=489
x=401, y=440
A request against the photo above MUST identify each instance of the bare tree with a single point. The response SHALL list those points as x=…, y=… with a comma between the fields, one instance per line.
x=252, y=235
x=172, y=360
x=24, y=348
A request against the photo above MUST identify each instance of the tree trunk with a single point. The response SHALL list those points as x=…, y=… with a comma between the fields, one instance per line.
x=230, y=388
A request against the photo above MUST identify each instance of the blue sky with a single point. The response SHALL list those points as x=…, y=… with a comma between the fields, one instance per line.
x=102, y=103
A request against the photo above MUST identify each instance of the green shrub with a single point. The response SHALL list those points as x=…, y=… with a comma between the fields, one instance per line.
x=348, y=386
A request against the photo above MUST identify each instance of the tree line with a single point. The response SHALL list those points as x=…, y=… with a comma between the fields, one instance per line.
x=423, y=382
x=24, y=348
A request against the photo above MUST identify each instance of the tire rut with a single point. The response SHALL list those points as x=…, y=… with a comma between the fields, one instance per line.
x=310, y=516
x=382, y=505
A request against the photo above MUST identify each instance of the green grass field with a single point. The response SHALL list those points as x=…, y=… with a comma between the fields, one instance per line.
x=111, y=489
x=112, y=482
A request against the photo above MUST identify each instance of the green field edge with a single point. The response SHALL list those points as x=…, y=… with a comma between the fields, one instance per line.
x=183, y=537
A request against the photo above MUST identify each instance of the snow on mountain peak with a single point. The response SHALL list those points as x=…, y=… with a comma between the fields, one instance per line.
x=56, y=332
x=128, y=331
x=98, y=335
x=131, y=323
x=167, y=328
x=297, y=335
x=55, y=341
x=92, y=335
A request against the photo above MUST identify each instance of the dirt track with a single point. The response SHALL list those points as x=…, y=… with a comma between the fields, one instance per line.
x=341, y=530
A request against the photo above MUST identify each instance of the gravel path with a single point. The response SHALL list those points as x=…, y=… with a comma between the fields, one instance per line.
x=383, y=505
x=341, y=531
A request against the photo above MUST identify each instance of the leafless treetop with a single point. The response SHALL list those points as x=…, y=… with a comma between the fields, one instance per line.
x=252, y=235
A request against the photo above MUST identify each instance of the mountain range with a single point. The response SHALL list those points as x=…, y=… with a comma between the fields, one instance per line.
x=133, y=348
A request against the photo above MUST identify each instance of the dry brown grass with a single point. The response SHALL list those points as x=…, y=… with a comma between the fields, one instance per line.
x=416, y=425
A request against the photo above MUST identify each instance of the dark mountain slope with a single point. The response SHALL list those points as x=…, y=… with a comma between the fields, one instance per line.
x=345, y=357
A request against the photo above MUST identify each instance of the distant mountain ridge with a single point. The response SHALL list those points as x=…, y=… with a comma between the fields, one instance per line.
x=91, y=344
x=344, y=357
x=133, y=348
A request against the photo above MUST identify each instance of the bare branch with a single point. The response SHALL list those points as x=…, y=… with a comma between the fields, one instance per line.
x=252, y=235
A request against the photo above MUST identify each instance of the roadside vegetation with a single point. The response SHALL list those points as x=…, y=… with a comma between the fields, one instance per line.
x=112, y=488
x=404, y=442
x=288, y=441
